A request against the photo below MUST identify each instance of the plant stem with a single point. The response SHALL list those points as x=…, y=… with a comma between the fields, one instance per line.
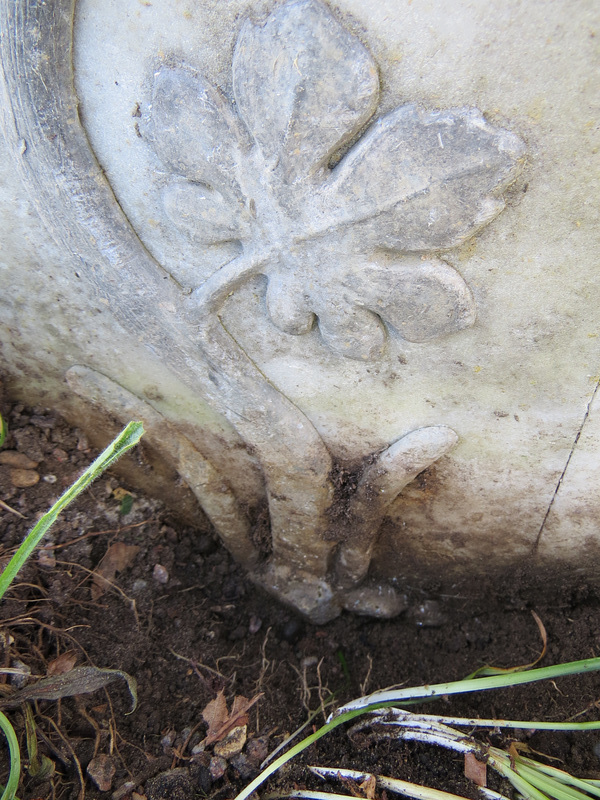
x=15, y=759
x=127, y=439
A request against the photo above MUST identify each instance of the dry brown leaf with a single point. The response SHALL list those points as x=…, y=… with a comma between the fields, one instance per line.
x=238, y=716
x=215, y=714
x=350, y=786
x=368, y=787
x=117, y=558
x=239, y=708
x=79, y=680
x=475, y=770
x=63, y=663
x=119, y=493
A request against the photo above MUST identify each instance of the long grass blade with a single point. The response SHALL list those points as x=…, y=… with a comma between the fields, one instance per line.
x=393, y=784
x=387, y=698
x=3, y=430
x=550, y=786
x=592, y=787
x=501, y=763
x=475, y=722
x=15, y=759
x=127, y=439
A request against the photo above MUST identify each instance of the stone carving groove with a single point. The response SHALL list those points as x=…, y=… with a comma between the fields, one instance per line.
x=352, y=246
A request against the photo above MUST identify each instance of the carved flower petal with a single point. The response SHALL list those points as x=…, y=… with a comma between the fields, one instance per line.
x=193, y=130
x=421, y=299
x=304, y=86
x=422, y=180
x=347, y=329
x=202, y=213
x=287, y=305
x=350, y=331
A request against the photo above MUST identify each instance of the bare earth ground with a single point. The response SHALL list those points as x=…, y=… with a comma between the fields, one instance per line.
x=184, y=621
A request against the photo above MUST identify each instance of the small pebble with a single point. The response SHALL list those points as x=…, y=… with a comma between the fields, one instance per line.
x=232, y=744
x=257, y=750
x=46, y=557
x=243, y=766
x=102, y=771
x=19, y=460
x=255, y=624
x=160, y=574
x=217, y=767
x=24, y=478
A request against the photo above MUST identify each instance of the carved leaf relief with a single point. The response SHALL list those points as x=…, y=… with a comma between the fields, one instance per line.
x=304, y=86
x=345, y=247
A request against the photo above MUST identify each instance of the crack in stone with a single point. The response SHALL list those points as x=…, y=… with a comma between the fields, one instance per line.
x=566, y=467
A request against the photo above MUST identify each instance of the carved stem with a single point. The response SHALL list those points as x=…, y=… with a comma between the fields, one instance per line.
x=380, y=485
x=212, y=490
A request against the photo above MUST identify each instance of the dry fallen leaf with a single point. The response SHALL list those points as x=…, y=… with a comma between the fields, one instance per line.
x=475, y=770
x=80, y=680
x=220, y=722
x=117, y=558
x=215, y=714
x=368, y=787
x=119, y=493
x=63, y=663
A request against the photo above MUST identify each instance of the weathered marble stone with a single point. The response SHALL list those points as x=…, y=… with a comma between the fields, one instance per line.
x=320, y=249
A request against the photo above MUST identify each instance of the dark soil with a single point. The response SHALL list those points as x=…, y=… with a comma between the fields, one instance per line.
x=194, y=625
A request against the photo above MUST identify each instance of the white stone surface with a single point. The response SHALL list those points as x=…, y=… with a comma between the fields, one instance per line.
x=515, y=386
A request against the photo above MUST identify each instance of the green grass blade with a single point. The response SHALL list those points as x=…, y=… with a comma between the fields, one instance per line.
x=295, y=750
x=524, y=787
x=3, y=430
x=415, y=790
x=476, y=722
x=127, y=439
x=15, y=759
x=560, y=775
x=548, y=784
x=500, y=761
x=384, y=699
x=389, y=698
x=395, y=785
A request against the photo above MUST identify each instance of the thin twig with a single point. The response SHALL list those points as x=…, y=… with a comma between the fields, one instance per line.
x=6, y=507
